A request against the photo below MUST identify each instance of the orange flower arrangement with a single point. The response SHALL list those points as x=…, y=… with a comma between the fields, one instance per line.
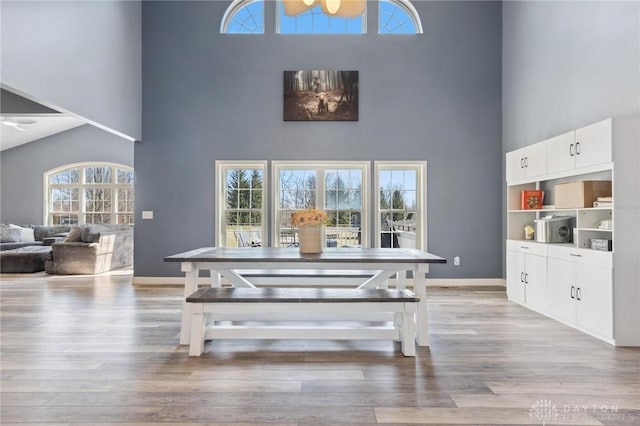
x=308, y=217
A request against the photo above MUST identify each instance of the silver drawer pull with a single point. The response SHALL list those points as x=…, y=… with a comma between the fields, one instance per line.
x=575, y=255
x=524, y=247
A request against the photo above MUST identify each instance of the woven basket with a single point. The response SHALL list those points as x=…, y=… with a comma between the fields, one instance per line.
x=311, y=238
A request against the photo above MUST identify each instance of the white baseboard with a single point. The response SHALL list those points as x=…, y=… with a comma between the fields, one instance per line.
x=466, y=282
x=431, y=282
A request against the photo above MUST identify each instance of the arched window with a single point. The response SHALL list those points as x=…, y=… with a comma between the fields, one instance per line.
x=398, y=17
x=89, y=193
x=243, y=17
x=314, y=17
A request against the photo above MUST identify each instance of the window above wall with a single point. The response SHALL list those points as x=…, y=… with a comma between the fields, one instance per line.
x=89, y=193
x=243, y=17
x=321, y=17
x=316, y=17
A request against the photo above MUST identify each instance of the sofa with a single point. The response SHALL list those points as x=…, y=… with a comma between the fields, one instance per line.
x=14, y=236
x=25, y=249
x=92, y=249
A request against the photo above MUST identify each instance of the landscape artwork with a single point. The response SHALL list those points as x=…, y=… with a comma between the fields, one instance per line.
x=321, y=95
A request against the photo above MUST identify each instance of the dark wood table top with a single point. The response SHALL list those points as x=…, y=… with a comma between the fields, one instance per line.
x=293, y=255
x=299, y=295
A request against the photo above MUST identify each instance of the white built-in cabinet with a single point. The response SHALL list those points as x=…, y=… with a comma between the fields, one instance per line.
x=584, y=147
x=527, y=162
x=527, y=273
x=597, y=292
x=580, y=289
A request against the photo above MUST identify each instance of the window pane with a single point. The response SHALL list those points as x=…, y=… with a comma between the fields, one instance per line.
x=394, y=19
x=247, y=20
x=410, y=180
x=67, y=176
x=97, y=174
x=64, y=219
x=256, y=179
x=97, y=218
x=98, y=199
x=399, y=208
x=256, y=199
x=95, y=194
x=125, y=176
x=125, y=200
x=315, y=21
x=242, y=211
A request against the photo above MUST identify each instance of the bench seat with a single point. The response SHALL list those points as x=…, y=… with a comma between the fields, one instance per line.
x=301, y=300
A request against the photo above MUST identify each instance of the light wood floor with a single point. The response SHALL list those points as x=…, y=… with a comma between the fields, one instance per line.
x=97, y=351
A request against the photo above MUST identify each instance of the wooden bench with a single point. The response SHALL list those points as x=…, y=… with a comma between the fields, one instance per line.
x=301, y=300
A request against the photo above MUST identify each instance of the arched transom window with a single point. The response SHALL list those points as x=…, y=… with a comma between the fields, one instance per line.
x=243, y=17
x=321, y=17
x=89, y=193
x=398, y=17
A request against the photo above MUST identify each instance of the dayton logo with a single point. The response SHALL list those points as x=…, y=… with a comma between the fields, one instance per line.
x=544, y=410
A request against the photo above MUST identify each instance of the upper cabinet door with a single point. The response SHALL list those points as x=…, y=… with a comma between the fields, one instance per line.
x=535, y=160
x=593, y=144
x=526, y=162
x=561, y=152
x=515, y=165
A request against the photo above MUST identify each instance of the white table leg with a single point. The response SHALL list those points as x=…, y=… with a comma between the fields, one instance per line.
x=422, y=325
x=190, y=285
x=408, y=330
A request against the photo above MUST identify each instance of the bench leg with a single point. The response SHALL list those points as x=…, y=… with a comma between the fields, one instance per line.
x=196, y=344
x=397, y=324
x=407, y=332
x=190, y=285
x=422, y=324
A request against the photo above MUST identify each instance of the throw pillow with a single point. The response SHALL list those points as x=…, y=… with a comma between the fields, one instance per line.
x=26, y=236
x=10, y=235
x=74, y=235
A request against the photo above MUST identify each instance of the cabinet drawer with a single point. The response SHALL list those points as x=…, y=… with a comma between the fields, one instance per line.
x=588, y=256
x=528, y=247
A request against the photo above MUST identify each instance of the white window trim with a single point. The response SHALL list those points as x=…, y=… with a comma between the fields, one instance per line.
x=221, y=167
x=409, y=9
x=113, y=186
x=233, y=8
x=421, y=197
x=320, y=166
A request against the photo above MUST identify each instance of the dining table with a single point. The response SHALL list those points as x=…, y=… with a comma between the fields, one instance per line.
x=238, y=265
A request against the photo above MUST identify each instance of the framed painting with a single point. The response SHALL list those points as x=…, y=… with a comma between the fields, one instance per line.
x=321, y=95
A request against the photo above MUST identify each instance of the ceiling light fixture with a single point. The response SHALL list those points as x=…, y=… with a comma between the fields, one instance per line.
x=17, y=122
x=341, y=8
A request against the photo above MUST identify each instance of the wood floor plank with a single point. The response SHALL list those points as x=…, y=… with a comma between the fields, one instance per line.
x=586, y=387
x=210, y=385
x=96, y=351
x=564, y=401
x=473, y=416
x=242, y=374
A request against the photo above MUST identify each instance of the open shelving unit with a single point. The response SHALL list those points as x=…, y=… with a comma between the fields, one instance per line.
x=595, y=291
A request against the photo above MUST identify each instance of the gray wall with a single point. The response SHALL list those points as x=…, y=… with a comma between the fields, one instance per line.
x=81, y=56
x=10, y=103
x=22, y=167
x=433, y=97
x=566, y=65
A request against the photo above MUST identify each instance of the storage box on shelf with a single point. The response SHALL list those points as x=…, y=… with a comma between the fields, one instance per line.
x=581, y=194
x=592, y=290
